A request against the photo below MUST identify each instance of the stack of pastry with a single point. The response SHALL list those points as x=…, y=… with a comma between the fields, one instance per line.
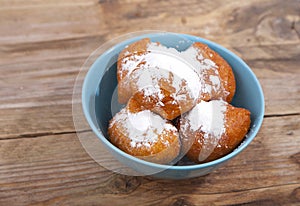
x=160, y=86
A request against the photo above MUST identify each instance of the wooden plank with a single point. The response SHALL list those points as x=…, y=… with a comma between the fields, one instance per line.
x=206, y=19
x=280, y=195
x=35, y=121
x=36, y=97
x=280, y=97
x=18, y=4
x=49, y=50
x=35, y=21
x=36, y=100
x=44, y=43
x=56, y=170
x=84, y=46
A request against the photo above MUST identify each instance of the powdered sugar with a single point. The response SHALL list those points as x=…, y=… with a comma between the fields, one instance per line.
x=129, y=63
x=182, y=74
x=215, y=81
x=166, y=64
x=183, y=71
x=142, y=128
x=208, y=118
x=193, y=56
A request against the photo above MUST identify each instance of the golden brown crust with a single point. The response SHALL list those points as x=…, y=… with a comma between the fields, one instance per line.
x=137, y=48
x=158, y=152
x=224, y=69
x=167, y=107
x=162, y=101
x=163, y=151
x=236, y=127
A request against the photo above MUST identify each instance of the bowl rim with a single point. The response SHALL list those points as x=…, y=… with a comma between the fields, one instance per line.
x=162, y=167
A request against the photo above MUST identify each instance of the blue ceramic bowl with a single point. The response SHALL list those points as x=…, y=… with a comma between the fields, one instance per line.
x=100, y=83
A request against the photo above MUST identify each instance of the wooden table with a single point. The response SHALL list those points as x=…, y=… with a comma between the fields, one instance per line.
x=43, y=44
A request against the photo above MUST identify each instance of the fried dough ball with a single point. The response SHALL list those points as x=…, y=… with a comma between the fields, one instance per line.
x=196, y=83
x=159, y=78
x=174, y=81
x=144, y=134
x=225, y=73
x=129, y=60
x=213, y=129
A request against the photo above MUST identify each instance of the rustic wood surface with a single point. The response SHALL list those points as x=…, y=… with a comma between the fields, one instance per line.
x=43, y=44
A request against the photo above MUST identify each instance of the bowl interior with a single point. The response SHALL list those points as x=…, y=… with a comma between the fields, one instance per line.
x=99, y=97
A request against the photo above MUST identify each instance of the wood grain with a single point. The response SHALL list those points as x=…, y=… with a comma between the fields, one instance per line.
x=43, y=45
x=204, y=18
x=56, y=170
x=43, y=88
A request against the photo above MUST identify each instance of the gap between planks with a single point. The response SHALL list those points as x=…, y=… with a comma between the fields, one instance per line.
x=42, y=134
x=249, y=189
